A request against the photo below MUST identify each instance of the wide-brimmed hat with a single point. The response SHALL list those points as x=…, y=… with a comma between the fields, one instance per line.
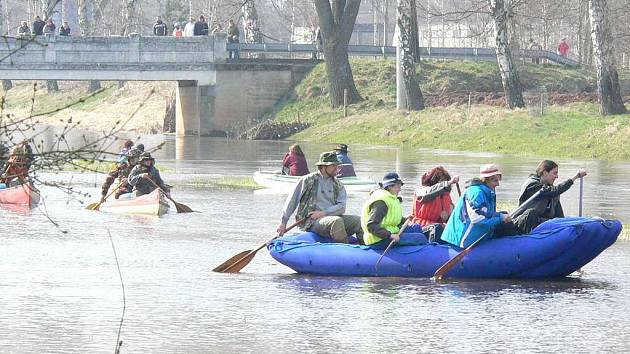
x=134, y=153
x=146, y=156
x=390, y=179
x=342, y=148
x=489, y=170
x=327, y=158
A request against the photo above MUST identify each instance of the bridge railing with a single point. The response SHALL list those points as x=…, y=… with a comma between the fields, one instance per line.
x=390, y=51
x=132, y=50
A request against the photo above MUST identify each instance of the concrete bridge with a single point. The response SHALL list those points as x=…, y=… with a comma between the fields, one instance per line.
x=214, y=94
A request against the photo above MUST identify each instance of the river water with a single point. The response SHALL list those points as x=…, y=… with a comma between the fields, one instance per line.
x=60, y=289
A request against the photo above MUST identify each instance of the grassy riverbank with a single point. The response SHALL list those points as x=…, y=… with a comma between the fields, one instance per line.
x=573, y=129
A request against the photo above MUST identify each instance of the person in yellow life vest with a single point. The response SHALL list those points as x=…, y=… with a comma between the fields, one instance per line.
x=382, y=216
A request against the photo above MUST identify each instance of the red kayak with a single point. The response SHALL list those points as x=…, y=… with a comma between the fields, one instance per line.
x=24, y=194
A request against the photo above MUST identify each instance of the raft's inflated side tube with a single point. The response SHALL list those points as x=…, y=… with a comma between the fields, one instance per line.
x=554, y=249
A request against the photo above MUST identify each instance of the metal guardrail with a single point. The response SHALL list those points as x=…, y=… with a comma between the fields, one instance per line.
x=488, y=54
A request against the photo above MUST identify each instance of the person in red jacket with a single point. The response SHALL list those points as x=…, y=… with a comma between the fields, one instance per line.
x=432, y=199
x=294, y=162
x=563, y=48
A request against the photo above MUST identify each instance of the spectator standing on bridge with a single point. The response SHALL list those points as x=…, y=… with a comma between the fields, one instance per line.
x=38, y=26
x=64, y=30
x=159, y=27
x=201, y=27
x=24, y=30
x=189, y=29
x=50, y=28
x=233, y=34
x=563, y=48
x=177, y=31
x=535, y=48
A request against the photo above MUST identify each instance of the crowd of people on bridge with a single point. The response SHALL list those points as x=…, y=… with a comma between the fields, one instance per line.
x=40, y=27
x=319, y=202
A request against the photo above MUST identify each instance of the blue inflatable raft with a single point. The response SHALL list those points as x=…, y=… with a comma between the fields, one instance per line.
x=556, y=248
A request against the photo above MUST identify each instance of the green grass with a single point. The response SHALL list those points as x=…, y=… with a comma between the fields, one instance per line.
x=225, y=183
x=574, y=130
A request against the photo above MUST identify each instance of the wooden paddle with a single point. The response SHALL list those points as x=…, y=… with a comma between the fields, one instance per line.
x=239, y=261
x=391, y=243
x=459, y=191
x=446, y=267
x=95, y=206
x=581, y=195
x=181, y=208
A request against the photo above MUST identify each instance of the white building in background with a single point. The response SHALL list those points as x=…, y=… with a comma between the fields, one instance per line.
x=456, y=35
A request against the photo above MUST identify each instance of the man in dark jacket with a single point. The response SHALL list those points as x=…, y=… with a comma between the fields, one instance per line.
x=547, y=206
x=233, y=35
x=159, y=28
x=144, y=177
x=201, y=27
x=38, y=26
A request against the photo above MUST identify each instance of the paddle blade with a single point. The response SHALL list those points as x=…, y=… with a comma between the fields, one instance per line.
x=446, y=267
x=225, y=265
x=93, y=206
x=182, y=208
x=240, y=264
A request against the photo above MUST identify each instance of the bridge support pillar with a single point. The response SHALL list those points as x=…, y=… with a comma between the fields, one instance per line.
x=195, y=108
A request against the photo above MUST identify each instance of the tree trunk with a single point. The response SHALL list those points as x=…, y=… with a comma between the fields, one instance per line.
x=84, y=17
x=414, y=38
x=95, y=85
x=336, y=23
x=608, y=90
x=7, y=85
x=408, y=94
x=52, y=85
x=509, y=75
x=48, y=7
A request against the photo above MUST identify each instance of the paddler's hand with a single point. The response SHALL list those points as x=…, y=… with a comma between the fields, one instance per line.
x=506, y=218
x=453, y=181
x=146, y=176
x=579, y=174
x=395, y=237
x=315, y=215
x=103, y=199
x=282, y=228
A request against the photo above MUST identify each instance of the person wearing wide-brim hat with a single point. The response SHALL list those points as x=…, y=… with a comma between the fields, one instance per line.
x=382, y=215
x=121, y=171
x=320, y=199
x=143, y=173
x=345, y=167
x=475, y=213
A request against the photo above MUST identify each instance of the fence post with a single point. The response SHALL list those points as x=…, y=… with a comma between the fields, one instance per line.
x=469, y=102
x=345, y=103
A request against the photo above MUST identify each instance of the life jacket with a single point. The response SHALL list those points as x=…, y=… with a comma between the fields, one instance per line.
x=426, y=213
x=391, y=220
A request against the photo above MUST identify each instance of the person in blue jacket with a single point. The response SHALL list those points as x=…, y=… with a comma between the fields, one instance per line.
x=345, y=168
x=475, y=214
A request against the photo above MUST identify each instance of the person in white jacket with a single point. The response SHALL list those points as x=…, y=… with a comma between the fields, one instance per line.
x=189, y=29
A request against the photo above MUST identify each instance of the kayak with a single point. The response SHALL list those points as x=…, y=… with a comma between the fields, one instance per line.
x=23, y=194
x=279, y=181
x=554, y=249
x=154, y=204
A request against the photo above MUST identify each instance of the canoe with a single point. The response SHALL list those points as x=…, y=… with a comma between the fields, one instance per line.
x=154, y=203
x=279, y=181
x=23, y=195
x=556, y=248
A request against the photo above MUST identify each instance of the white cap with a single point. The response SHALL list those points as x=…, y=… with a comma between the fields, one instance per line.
x=489, y=170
